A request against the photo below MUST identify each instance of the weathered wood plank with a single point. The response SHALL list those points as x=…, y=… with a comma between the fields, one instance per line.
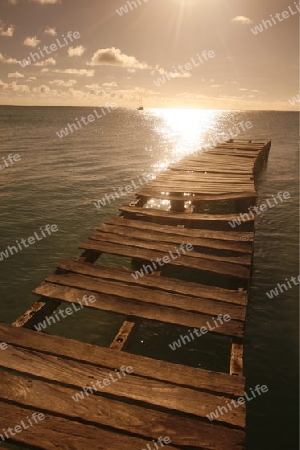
x=148, y=295
x=158, y=241
x=218, y=382
x=158, y=235
x=122, y=337
x=162, y=283
x=132, y=387
x=236, y=359
x=237, y=238
x=56, y=432
x=202, y=264
x=144, y=422
x=222, y=219
x=138, y=309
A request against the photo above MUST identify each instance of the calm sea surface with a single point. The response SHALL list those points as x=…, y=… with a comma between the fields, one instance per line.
x=56, y=182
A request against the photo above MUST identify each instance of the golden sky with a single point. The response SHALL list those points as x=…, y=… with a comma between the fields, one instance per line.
x=171, y=53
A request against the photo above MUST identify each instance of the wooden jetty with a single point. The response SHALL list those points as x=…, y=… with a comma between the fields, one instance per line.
x=41, y=372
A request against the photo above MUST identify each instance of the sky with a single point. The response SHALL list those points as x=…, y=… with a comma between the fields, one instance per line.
x=163, y=53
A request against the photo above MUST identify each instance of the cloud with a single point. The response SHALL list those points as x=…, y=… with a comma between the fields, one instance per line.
x=31, y=79
x=43, y=89
x=46, y=2
x=96, y=89
x=76, y=51
x=6, y=30
x=40, y=2
x=15, y=75
x=180, y=75
x=112, y=84
x=242, y=19
x=69, y=83
x=13, y=87
x=51, y=31
x=80, y=72
x=31, y=41
x=46, y=62
x=44, y=70
x=243, y=89
x=6, y=60
x=114, y=57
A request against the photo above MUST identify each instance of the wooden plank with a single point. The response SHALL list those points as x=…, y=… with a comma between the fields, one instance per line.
x=211, y=381
x=236, y=237
x=138, y=309
x=236, y=360
x=57, y=432
x=145, y=423
x=149, y=295
x=210, y=169
x=135, y=388
x=122, y=337
x=183, y=217
x=149, y=240
x=200, y=188
x=162, y=194
x=192, y=177
x=172, y=285
x=39, y=310
x=184, y=261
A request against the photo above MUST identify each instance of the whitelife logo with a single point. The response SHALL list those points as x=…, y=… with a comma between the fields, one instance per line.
x=53, y=48
x=24, y=425
x=221, y=410
x=146, y=269
x=132, y=5
x=279, y=16
x=104, y=383
x=244, y=217
x=65, y=313
x=10, y=160
x=181, y=70
x=11, y=250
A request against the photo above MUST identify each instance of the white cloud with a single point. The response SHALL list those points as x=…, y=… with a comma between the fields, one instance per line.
x=6, y=60
x=40, y=2
x=243, y=89
x=112, y=84
x=76, y=51
x=31, y=79
x=180, y=75
x=44, y=70
x=69, y=83
x=15, y=75
x=14, y=87
x=80, y=72
x=31, y=41
x=46, y=2
x=43, y=89
x=6, y=30
x=46, y=62
x=114, y=57
x=242, y=19
x=51, y=31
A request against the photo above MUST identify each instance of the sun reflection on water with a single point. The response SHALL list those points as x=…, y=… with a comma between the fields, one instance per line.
x=184, y=131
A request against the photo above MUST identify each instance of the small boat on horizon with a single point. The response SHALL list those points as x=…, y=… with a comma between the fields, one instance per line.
x=141, y=108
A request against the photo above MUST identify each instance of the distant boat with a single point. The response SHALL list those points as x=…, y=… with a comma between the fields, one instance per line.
x=141, y=108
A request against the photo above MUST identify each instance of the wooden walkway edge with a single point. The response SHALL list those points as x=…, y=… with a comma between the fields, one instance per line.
x=57, y=377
